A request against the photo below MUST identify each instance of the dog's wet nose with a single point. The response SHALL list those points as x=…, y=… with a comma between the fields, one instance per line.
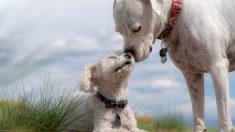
x=131, y=51
x=128, y=55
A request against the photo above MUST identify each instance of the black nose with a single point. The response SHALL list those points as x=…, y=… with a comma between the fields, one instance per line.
x=128, y=55
x=131, y=51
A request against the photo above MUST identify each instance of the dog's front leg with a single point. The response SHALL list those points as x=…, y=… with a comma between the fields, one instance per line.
x=195, y=83
x=219, y=74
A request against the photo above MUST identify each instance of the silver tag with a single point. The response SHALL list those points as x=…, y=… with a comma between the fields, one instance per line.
x=117, y=121
x=163, y=59
x=163, y=55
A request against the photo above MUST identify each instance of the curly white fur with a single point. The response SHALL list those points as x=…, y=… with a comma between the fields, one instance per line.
x=86, y=83
x=110, y=76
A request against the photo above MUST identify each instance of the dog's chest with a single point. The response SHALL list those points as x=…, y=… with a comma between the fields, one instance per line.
x=196, y=57
x=190, y=58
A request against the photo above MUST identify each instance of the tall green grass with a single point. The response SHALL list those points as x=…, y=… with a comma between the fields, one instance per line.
x=171, y=121
x=46, y=111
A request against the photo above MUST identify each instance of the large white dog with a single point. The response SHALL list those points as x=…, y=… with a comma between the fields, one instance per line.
x=203, y=41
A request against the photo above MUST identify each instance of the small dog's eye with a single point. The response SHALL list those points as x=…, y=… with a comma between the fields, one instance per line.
x=137, y=29
x=112, y=57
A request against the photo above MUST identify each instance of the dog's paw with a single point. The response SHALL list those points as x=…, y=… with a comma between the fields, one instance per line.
x=200, y=129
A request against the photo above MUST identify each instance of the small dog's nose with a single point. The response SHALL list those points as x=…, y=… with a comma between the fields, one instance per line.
x=131, y=51
x=128, y=55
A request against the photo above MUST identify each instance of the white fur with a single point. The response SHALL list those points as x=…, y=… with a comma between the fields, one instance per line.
x=91, y=113
x=203, y=41
x=86, y=78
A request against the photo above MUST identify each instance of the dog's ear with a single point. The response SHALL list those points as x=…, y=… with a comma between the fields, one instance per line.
x=87, y=78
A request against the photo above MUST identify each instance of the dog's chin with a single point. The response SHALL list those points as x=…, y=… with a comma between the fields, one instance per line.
x=141, y=56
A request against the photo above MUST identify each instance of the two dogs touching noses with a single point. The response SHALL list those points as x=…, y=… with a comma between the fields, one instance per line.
x=203, y=41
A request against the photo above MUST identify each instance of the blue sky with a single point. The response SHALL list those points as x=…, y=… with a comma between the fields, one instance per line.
x=58, y=37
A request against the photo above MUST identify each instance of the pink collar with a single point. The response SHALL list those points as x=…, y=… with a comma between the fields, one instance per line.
x=176, y=9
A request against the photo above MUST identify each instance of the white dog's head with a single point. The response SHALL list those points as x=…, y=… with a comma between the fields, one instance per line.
x=110, y=71
x=139, y=22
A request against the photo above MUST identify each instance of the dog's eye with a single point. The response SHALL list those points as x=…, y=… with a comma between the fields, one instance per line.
x=112, y=57
x=137, y=29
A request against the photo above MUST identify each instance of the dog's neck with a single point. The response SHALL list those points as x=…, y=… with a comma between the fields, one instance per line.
x=165, y=13
x=166, y=10
x=113, y=91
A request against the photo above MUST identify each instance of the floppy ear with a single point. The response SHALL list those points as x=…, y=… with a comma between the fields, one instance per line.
x=87, y=78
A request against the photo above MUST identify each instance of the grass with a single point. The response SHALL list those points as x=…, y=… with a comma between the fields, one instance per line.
x=47, y=111
x=49, y=115
x=146, y=123
x=171, y=121
x=41, y=117
x=164, y=122
x=42, y=112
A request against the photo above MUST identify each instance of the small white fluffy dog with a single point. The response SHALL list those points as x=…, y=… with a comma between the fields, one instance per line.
x=106, y=109
x=203, y=41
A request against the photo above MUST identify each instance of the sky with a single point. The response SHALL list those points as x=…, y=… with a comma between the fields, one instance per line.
x=55, y=39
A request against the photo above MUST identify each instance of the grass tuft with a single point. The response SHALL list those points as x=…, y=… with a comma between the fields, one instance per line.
x=43, y=112
x=172, y=121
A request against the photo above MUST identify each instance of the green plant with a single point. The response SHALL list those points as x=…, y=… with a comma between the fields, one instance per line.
x=171, y=121
x=46, y=111
x=168, y=121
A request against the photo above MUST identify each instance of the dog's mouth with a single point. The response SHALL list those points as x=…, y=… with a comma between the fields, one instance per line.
x=120, y=67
